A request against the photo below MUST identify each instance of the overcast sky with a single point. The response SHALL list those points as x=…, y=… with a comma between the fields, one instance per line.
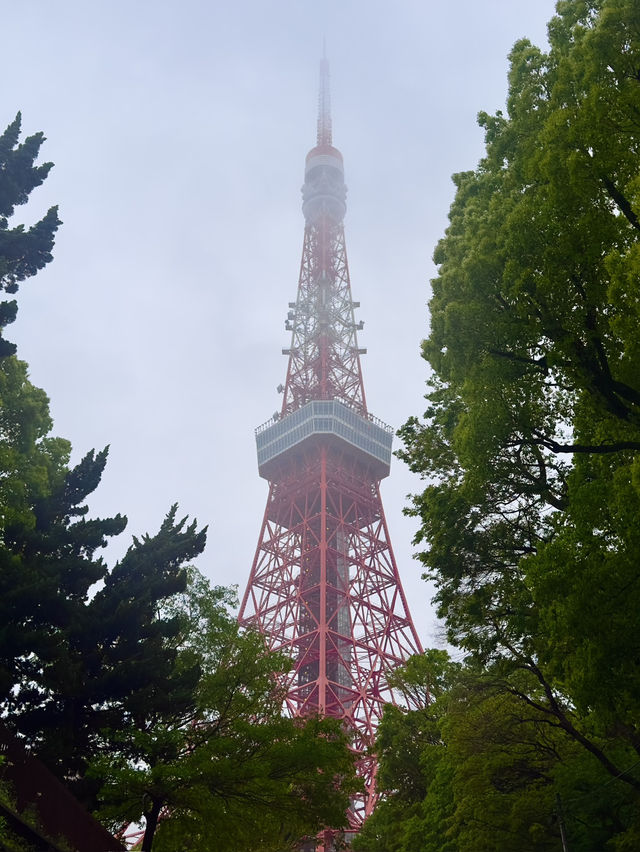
x=179, y=131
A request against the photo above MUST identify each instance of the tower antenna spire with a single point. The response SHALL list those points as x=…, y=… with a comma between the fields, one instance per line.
x=324, y=101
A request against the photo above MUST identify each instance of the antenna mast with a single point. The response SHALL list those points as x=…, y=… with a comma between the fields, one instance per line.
x=324, y=105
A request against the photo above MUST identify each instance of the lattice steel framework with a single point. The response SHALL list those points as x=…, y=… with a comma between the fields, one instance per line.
x=324, y=585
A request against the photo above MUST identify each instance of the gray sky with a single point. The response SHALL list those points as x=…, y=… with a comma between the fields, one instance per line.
x=179, y=132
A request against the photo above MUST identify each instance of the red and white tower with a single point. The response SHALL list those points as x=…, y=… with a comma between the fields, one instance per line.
x=324, y=586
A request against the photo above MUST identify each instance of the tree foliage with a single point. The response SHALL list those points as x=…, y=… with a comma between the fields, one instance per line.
x=23, y=250
x=529, y=445
x=76, y=660
x=488, y=771
x=231, y=761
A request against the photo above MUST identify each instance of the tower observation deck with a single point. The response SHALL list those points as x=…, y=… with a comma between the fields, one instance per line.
x=324, y=585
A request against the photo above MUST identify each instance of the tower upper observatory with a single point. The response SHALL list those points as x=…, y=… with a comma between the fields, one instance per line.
x=324, y=192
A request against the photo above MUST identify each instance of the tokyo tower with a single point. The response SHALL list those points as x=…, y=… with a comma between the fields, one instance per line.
x=324, y=586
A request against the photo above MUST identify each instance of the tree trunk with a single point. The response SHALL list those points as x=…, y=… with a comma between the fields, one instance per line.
x=151, y=818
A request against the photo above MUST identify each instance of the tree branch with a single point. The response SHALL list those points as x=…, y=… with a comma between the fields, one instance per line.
x=538, y=363
x=598, y=449
x=554, y=709
x=622, y=202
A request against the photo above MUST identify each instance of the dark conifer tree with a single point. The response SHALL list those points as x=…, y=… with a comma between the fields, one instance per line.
x=23, y=251
x=76, y=665
x=85, y=667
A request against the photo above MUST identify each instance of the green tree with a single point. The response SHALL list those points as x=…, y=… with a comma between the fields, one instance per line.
x=31, y=461
x=23, y=251
x=47, y=571
x=530, y=442
x=479, y=769
x=231, y=771
x=75, y=661
x=413, y=774
x=104, y=660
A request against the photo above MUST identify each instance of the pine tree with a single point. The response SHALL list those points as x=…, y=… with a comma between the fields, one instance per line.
x=23, y=251
x=74, y=661
x=88, y=666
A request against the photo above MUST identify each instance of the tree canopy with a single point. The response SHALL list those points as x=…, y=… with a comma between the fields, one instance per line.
x=529, y=445
x=478, y=768
x=231, y=759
